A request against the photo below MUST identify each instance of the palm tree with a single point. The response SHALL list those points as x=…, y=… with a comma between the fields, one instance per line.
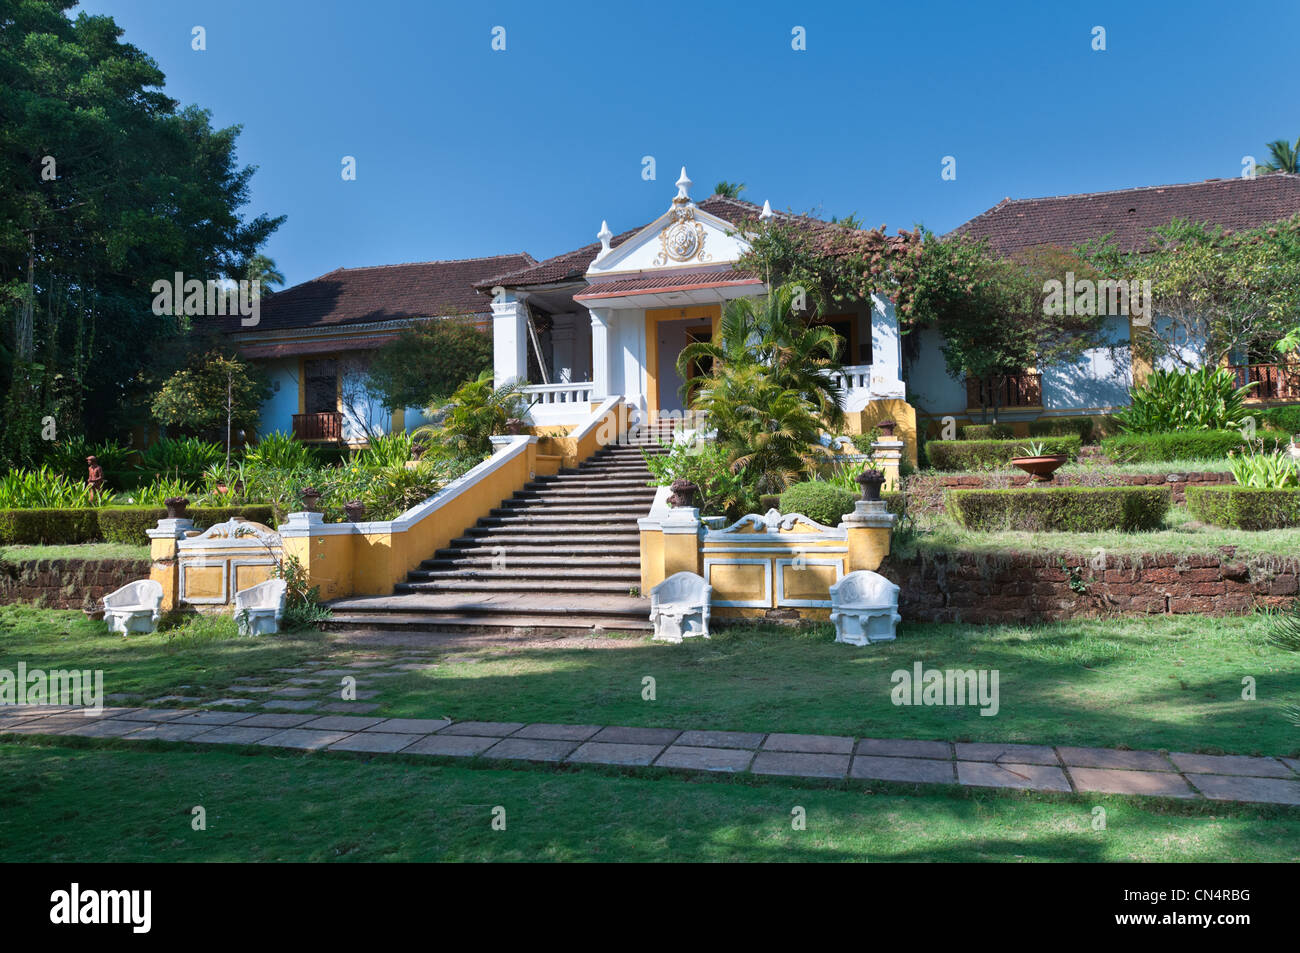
x=262, y=269
x=1286, y=157
x=477, y=411
x=729, y=190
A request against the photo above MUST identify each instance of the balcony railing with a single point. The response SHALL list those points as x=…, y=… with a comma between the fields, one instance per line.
x=1272, y=381
x=318, y=427
x=854, y=377
x=546, y=394
x=1014, y=390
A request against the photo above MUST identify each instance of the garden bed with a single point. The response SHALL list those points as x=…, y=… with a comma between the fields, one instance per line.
x=925, y=491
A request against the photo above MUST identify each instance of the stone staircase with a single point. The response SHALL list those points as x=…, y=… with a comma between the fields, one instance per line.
x=563, y=554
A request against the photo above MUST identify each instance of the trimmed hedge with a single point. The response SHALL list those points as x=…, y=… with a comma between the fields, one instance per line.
x=1173, y=445
x=982, y=454
x=1286, y=419
x=985, y=432
x=1244, y=507
x=824, y=502
x=113, y=524
x=1088, y=429
x=1063, y=509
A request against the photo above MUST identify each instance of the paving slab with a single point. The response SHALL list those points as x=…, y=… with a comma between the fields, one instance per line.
x=303, y=738
x=341, y=723
x=531, y=749
x=210, y=718
x=1293, y=764
x=720, y=739
x=414, y=667
x=358, y=708
x=165, y=731
x=35, y=726
x=1036, y=777
x=235, y=734
x=920, y=770
x=105, y=728
x=614, y=752
x=483, y=729
x=1112, y=781
x=810, y=744
x=305, y=680
x=411, y=726
x=335, y=672
x=806, y=764
x=155, y=714
x=902, y=748
x=252, y=689
x=64, y=720
x=275, y=721
x=290, y=705
x=1020, y=754
x=454, y=745
x=379, y=664
x=551, y=732
x=1230, y=764
x=705, y=758
x=228, y=702
x=1218, y=787
x=377, y=741
x=293, y=692
x=169, y=699
x=636, y=736
x=1109, y=758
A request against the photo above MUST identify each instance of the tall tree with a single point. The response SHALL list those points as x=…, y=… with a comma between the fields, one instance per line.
x=1284, y=157
x=729, y=190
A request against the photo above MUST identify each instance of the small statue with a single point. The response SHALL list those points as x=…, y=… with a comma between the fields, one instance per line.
x=95, y=476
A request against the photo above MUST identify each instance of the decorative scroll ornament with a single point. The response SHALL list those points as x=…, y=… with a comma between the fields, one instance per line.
x=682, y=238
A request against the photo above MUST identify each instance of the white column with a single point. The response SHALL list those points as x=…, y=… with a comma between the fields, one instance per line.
x=509, y=338
x=886, y=350
x=599, y=353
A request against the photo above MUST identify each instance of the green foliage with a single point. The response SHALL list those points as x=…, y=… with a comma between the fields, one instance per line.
x=1180, y=445
x=1245, y=507
x=215, y=393
x=127, y=524
x=818, y=500
x=1203, y=399
x=428, y=361
x=991, y=454
x=1285, y=419
x=722, y=490
x=985, y=432
x=1088, y=429
x=1284, y=631
x=68, y=457
x=476, y=411
x=282, y=451
x=157, y=492
x=1256, y=467
x=44, y=488
x=183, y=454
x=1063, y=509
x=386, y=450
x=56, y=527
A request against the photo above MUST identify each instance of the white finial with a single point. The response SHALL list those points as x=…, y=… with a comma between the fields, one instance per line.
x=604, y=235
x=683, y=187
x=767, y=210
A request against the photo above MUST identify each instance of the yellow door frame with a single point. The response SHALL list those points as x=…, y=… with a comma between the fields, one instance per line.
x=653, y=316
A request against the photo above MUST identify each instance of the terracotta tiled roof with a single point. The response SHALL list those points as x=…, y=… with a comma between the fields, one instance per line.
x=292, y=348
x=572, y=266
x=1130, y=214
x=675, y=282
x=348, y=296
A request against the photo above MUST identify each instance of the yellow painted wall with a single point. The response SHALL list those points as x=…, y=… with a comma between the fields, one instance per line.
x=901, y=412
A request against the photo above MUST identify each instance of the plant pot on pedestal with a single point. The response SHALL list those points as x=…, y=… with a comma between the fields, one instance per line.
x=310, y=499
x=871, y=481
x=176, y=507
x=1040, y=469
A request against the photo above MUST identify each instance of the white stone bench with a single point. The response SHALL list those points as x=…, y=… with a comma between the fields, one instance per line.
x=136, y=607
x=679, y=607
x=864, y=608
x=259, y=609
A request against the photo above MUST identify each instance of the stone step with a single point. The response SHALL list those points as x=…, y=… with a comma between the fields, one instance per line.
x=602, y=587
x=515, y=548
x=558, y=522
x=454, y=624
x=556, y=509
x=547, y=564
x=594, y=535
x=490, y=578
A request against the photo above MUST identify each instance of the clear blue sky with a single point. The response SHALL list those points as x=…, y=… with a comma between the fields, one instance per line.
x=462, y=151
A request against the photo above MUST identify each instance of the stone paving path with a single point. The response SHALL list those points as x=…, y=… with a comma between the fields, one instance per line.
x=1031, y=767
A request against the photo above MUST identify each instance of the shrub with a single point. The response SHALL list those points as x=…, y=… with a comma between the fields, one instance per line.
x=983, y=454
x=823, y=502
x=127, y=524
x=68, y=457
x=1204, y=399
x=985, y=432
x=1065, y=509
x=1263, y=470
x=385, y=450
x=1178, y=445
x=188, y=454
x=48, y=527
x=1285, y=419
x=1244, y=507
x=1089, y=430
x=43, y=488
x=722, y=491
x=280, y=451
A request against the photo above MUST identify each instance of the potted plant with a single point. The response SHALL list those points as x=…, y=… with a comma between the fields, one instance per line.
x=310, y=499
x=887, y=428
x=514, y=426
x=355, y=510
x=871, y=480
x=1037, y=462
x=684, y=492
x=176, y=507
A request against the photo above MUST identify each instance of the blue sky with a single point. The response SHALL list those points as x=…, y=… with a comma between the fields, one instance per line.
x=463, y=151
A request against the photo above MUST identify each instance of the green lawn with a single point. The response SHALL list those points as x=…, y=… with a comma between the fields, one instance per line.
x=15, y=554
x=1166, y=682
x=102, y=802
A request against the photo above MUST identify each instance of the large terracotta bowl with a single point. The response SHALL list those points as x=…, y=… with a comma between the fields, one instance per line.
x=1040, y=469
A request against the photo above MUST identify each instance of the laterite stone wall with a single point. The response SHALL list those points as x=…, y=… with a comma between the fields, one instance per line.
x=67, y=583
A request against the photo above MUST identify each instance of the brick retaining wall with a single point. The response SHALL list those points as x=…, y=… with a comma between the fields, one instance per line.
x=950, y=587
x=67, y=583
x=925, y=490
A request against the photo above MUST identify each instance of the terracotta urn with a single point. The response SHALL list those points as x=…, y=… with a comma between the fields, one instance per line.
x=355, y=510
x=871, y=481
x=310, y=499
x=886, y=427
x=1040, y=469
x=176, y=507
x=684, y=492
x=514, y=426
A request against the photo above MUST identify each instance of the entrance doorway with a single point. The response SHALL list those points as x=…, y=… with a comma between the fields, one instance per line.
x=668, y=331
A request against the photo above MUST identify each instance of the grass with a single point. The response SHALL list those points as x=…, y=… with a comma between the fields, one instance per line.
x=15, y=554
x=1181, y=535
x=266, y=806
x=1169, y=682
